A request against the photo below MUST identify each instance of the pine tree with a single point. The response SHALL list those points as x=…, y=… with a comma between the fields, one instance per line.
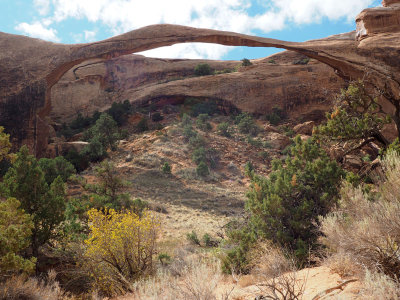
x=285, y=207
x=25, y=181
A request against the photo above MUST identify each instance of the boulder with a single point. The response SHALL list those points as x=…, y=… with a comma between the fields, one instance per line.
x=278, y=141
x=304, y=128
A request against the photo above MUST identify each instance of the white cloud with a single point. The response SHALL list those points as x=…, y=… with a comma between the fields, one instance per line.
x=43, y=6
x=37, y=30
x=90, y=36
x=232, y=15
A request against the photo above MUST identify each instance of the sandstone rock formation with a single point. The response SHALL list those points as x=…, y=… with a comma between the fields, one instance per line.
x=302, y=90
x=29, y=68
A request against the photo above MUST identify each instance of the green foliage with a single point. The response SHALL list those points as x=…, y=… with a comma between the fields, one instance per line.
x=164, y=258
x=303, y=61
x=105, y=132
x=138, y=206
x=202, y=70
x=58, y=166
x=193, y=238
x=196, y=141
x=120, y=111
x=357, y=116
x=249, y=169
x=202, y=169
x=264, y=155
x=15, y=232
x=199, y=155
x=5, y=145
x=156, y=117
x=202, y=122
x=25, y=181
x=285, y=207
x=166, y=168
x=79, y=160
x=254, y=142
x=223, y=129
x=276, y=116
x=246, y=62
x=246, y=124
x=95, y=151
x=108, y=191
x=197, y=106
x=188, y=132
x=142, y=126
x=186, y=120
x=272, y=61
x=393, y=147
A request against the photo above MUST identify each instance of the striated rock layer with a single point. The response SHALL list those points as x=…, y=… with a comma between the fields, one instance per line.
x=268, y=83
x=29, y=68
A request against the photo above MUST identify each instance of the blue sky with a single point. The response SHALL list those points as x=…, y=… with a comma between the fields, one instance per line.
x=78, y=21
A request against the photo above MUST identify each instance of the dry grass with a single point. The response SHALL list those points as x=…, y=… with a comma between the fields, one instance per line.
x=379, y=286
x=364, y=234
x=280, y=279
x=188, y=278
x=22, y=288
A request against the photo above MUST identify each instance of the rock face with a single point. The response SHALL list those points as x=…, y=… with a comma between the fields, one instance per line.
x=29, y=68
x=387, y=3
x=379, y=20
x=301, y=90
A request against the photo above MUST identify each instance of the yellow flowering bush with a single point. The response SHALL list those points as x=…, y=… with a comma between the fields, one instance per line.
x=119, y=249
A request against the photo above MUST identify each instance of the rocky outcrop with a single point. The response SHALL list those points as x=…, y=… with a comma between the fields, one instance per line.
x=301, y=90
x=393, y=3
x=379, y=20
x=29, y=68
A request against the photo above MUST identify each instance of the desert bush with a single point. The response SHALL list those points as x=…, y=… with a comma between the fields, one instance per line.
x=202, y=70
x=193, y=238
x=119, y=249
x=246, y=124
x=197, y=141
x=22, y=288
x=303, y=61
x=202, y=169
x=58, y=166
x=25, y=181
x=156, y=117
x=366, y=226
x=166, y=168
x=142, y=126
x=223, y=129
x=285, y=207
x=138, y=206
x=186, y=120
x=109, y=187
x=120, y=111
x=202, y=122
x=15, y=233
x=199, y=155
x=379, y=286
x=105, y=131
x=188, y=132
x=246, y=62
x=195, y=279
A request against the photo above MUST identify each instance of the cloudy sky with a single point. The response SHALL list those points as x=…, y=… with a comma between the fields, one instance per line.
x=79, y=21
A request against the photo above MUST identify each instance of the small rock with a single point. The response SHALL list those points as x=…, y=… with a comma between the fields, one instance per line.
x=304, y=128
x=278, y=141
x=129, y=158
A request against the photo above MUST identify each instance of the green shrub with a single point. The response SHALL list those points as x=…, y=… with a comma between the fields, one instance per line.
x=196, y=141
x=276, y=116
x=254, y=142
x=246, y=62
x=156, y=117
x=303, y=61
x=26, y=181
x=189, y=133
x=202, y=169
x=199, y=155
x=249, y=169
x=192, y=237
x=166, y=168
x=272, y=61
x=202, y=122
x=58, y=166
x=142, y=126
x=223, y=129
x=138, y=206
x=186, y=120
x=15, y=232
x=120, y=112
x=285, y=207
x=202, y=70
x=246, y=124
